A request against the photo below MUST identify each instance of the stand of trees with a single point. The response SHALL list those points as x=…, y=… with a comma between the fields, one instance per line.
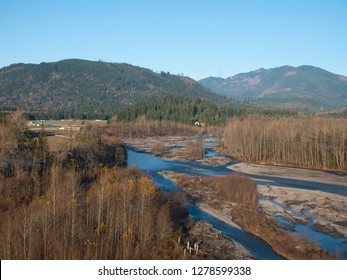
x=307, y=142
x=120, y=216
x=80, y=202
x=175, y=108
x=188, y=110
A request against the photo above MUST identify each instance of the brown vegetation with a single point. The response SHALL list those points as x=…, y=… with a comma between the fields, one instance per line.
x=144, y=128
x=158, y=148
x=309, y=142
x=242, y=192
x=194, y=149
x=79, y=202
x=121, y=216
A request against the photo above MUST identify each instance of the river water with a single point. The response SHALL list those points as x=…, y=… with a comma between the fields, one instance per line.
x=152, y=165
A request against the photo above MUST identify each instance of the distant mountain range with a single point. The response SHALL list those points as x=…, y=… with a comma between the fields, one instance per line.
x=77, y=88
x=286, y=86
x=81, y=88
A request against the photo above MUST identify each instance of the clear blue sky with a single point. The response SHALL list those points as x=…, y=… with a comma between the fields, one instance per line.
x=197, y=38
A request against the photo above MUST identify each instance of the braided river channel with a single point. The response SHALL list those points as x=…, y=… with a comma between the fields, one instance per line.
x=153, y=165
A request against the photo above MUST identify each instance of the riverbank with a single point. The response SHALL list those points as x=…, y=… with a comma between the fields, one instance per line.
x=292, y=206
x=213, y=245
x=302, y=174
x=204, y=192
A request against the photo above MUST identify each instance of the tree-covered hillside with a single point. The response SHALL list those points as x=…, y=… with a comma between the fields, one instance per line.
x=87, y=89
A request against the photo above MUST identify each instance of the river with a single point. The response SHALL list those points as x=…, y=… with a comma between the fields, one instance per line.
x=152, y=165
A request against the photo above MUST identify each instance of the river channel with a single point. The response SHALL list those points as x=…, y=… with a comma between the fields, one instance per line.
x=152, y=165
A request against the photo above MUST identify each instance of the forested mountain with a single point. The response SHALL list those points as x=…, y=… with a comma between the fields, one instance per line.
x=81, y=88
x=286, y=86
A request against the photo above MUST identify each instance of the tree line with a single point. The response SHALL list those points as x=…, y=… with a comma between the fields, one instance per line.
x=305, y=142
x=189, y=109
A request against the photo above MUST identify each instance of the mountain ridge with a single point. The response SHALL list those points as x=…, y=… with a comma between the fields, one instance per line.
x=77, y=88
x=305, y=86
